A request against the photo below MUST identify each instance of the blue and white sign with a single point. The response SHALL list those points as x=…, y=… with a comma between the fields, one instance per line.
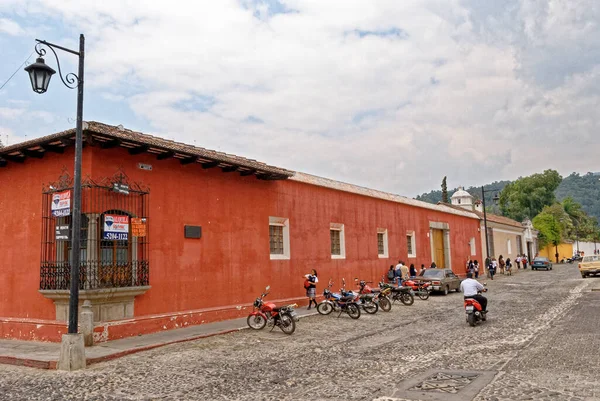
x=61, y=204
x=116, y=227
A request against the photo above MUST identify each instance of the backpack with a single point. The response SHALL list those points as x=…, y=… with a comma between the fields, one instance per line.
x=307, y=284
x=390, y=275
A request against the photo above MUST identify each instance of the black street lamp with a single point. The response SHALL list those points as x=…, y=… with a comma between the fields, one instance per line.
x=40, y=74
x=495, y=199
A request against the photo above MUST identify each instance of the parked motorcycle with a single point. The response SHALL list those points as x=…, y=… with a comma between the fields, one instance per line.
x=378, y=296
x=267, y=313
x=474, y=311
x=399, y=293
x=421, y=289
x=574, y=258
x=339, y=303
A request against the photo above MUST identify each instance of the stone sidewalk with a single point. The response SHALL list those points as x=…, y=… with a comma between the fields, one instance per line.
x=44, y=355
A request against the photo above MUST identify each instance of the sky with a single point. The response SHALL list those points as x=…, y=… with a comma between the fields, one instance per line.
x=391, y=94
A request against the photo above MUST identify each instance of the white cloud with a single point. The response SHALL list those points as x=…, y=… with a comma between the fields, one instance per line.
x=470, y=90
x=10, y=27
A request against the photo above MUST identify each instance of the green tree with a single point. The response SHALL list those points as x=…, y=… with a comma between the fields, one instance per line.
x=549, y=227
x=444, y=191
x=527, y=196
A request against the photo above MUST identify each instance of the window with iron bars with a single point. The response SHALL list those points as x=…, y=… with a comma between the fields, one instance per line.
x=105, y=262
x=336, y=247
x=519, y=245
x=276, y=239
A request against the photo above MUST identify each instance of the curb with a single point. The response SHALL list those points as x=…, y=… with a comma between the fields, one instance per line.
x=52, y=365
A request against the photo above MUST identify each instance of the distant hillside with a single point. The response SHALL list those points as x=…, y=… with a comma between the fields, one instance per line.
x=584, y=189
x=436, y=196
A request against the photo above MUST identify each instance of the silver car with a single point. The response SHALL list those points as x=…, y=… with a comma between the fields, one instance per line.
x=443, y=280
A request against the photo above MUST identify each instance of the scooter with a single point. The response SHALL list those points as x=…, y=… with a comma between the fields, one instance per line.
x=474, y=311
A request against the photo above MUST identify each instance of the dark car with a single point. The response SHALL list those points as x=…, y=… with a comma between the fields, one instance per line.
x=443, y=280
x=541, y=263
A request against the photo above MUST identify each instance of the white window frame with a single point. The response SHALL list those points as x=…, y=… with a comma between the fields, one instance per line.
x=413, y=242
x=472, y=246
x=285, y=223
x=338, y=227
x=386, y=253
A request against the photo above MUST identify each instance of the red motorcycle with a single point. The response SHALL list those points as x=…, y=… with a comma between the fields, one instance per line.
x=474, y=311
x=268, y=313
x=420, y=288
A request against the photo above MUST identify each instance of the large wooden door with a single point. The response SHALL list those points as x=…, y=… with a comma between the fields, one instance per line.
x=438, y=248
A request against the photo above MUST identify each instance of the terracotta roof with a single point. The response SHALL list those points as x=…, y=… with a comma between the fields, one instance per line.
x=490, y=216
x=103, y=135
x=500, y=219
x=342, y=186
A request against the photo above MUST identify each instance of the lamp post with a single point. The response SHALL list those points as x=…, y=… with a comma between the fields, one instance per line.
x=40, y=74
x=487, y=245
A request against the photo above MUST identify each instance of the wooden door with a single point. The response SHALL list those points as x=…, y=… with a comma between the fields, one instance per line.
x=438, y=248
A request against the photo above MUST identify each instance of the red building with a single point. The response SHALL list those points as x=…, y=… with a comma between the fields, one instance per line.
x=176, y=235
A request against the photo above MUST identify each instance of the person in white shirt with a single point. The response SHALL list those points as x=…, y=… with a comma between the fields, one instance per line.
x=470, y=289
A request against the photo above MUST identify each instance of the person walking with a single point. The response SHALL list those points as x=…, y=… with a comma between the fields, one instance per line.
x=518, y=260
x=502, y=264
x=508, y=267
x=311, y=290
x=524, y=261
x=492, y=268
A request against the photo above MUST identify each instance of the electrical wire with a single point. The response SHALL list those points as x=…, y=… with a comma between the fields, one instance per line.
x=15, y=73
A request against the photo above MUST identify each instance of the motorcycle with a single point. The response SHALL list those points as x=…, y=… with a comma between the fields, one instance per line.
x=420, y=288
x=267, y=313
x=377, y=296
x=399, y=293
x=474, y=311
x=339, y=303
x=574, y=258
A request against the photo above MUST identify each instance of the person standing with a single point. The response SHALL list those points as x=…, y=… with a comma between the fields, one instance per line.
x=518, y=260
x=476, y=268
x=502, y=264
x=524, y=261
x=492, y=268
x=391, y=274
x=412, y=271
x=423, y=268
x=311, y=290
x=404, y=271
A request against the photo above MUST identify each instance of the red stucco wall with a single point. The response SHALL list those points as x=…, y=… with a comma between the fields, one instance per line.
x=230, y=264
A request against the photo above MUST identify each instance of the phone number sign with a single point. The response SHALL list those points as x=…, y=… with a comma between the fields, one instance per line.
x=116, y=227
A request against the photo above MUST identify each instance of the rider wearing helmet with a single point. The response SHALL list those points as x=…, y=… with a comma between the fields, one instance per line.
x=471, y=288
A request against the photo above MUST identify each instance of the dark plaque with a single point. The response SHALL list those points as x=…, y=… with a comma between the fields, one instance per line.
x=63, y=232
x=193, y=231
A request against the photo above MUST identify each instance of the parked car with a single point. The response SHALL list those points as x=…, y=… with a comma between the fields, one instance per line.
x=589, y=266
x=541, y=263
x=443, y=280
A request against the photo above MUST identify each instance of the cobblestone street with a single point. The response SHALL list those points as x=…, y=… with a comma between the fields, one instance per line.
x=540, y=342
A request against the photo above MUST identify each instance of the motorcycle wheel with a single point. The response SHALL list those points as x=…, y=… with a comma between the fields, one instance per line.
x=256, y=322
x=353, y=311
x=471, y=319
x=371, y=308
x=287, y=324
x=385, y=304
x=424, y=295
x=407, y=299
x=324, y=308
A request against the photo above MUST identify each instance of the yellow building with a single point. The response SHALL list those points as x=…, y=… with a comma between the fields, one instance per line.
x=564, y=251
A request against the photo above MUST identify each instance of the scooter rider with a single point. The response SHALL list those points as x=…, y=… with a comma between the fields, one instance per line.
x=470, y=289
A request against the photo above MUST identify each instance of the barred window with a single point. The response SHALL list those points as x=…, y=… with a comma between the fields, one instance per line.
x=411, y=245
x=276, y=239
x=380, y=247
x=279, y=238
x=519, y=245
x=336, y=246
